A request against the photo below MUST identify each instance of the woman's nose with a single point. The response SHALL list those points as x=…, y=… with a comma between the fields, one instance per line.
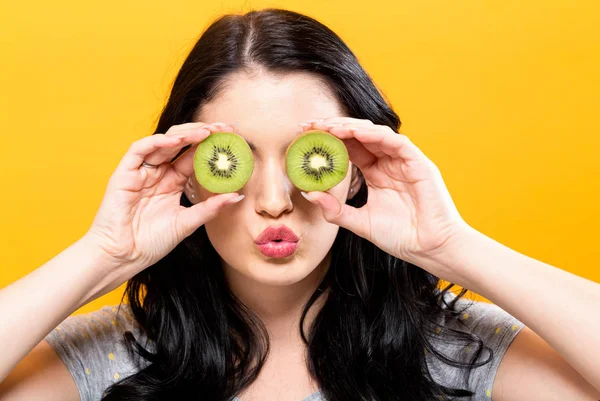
x=274, y=190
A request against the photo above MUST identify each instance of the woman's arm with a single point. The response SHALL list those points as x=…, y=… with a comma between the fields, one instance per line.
x=410, y=214
x=531, y=370
x=560, y=307
x=120, y=243
x=35, y=304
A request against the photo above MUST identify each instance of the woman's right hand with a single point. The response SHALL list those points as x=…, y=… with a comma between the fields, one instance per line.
x=140, y=219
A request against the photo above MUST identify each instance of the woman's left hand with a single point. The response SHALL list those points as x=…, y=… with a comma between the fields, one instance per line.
x=409, y=212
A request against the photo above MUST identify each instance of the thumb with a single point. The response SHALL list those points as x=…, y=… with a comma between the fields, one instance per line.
x=334, y=212
x=190, y=218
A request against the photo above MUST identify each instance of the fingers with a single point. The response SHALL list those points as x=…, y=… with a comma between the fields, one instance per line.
x=339, y=120
x=141, y=148
x=379, y=140
x=388, y=142
x=342, y=215
x=160, y=148
x=192, y=133
x=190, y=218
x=334, y=121
x=359, y=155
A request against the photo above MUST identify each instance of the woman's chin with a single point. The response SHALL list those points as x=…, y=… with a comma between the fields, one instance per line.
x=277, y=272
x=277, y=275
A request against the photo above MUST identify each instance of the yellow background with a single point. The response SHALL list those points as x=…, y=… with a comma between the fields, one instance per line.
x=502, y=95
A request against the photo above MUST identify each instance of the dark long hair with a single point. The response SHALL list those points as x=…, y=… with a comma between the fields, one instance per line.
x=370, y=338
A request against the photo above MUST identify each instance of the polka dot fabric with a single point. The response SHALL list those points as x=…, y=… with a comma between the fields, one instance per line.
x=92, y=347
x=494, y=326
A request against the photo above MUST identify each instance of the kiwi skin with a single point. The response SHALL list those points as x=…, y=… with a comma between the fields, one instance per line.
x=216, y=184
x=307, y=186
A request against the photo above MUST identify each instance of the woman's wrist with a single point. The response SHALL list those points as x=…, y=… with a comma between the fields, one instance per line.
x=100, y=269
x=451, y=261
x=33, y=305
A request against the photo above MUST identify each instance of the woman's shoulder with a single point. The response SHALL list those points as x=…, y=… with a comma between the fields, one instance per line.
x=484, y=319
x=476, y=331
x=92, y=346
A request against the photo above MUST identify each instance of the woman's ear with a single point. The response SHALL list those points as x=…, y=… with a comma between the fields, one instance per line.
x=355, y=182
x=190, y=192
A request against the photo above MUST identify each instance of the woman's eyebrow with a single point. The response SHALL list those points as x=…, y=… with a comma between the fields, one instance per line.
x=253, y=147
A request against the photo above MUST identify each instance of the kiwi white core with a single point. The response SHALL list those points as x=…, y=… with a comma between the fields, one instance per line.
x=318, y=161
x=223, y=162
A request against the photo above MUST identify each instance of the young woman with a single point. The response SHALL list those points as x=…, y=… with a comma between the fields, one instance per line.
x=355, y=312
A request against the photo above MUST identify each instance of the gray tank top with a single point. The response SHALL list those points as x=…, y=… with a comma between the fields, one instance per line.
x=91, y=346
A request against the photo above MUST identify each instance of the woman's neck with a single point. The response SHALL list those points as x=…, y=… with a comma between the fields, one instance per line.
x=279, y=306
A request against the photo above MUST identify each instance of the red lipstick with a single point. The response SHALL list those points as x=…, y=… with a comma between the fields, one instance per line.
x=277, y=242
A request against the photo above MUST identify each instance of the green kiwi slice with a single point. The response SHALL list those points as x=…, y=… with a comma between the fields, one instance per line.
x=316, y=161
x=223, y=162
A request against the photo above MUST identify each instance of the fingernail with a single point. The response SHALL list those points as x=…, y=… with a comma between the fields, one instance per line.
x=304, y=125
x=307, y=196
x=316, y=120
x=235, y=200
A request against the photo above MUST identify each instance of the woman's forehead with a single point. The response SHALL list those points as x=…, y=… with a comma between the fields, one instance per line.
x=269, y=108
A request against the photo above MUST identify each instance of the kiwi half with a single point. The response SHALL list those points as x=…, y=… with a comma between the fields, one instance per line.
x=316, y=161
x=223, y=162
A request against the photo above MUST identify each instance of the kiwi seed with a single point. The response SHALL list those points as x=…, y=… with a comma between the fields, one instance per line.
x=223, y=162
x=316, y=161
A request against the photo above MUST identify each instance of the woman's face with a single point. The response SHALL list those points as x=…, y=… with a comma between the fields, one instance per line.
x=266, y=111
